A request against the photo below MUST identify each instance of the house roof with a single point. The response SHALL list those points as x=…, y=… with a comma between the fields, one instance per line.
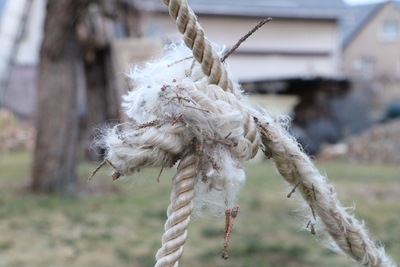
x=295, y=9
x=356, y=17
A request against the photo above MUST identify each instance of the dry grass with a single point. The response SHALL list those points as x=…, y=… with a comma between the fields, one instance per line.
x=121, y=223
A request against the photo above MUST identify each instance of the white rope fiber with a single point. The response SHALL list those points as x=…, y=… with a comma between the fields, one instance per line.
x=188, y=111
x=326, y=213
x=178, y=212
x=173, y=111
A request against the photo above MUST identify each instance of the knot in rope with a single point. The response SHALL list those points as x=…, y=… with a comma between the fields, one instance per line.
x=188, y=111
x=173, y=111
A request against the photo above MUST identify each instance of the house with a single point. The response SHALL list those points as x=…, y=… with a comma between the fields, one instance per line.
x=371, y=44
x=296, y=58
x=20, y=38
x=303, y=39
x=298, y=54
x=371, y=53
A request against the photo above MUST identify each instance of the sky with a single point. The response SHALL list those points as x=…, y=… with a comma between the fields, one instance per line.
x=357, y=2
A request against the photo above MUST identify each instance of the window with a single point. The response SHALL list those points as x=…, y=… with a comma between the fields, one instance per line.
x=364, y=66
x=390, y=30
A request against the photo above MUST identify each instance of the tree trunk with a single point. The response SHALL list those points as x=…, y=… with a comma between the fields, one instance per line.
x=54, y=167
x=102, y=96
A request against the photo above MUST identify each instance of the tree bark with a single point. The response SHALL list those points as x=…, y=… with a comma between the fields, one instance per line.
x=54, y=166
x=102, y=96
x=102, y=105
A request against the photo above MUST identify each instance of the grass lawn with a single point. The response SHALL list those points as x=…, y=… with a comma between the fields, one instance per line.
x=121, y=223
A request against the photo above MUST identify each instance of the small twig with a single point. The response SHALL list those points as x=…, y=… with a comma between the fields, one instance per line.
x=159, y=174
x=179, y=61
x=230, y=216
x=116, y=174
x=313, y=212
x=293, y=190
x=104, y=162
x=178, y=118
x=314, y=194
x=189, y=72
x=199, y=109
x=226, y=142
x=244, y=38
x=147, y=124
x=229, y=134
x=227, y=225
x=312, y=227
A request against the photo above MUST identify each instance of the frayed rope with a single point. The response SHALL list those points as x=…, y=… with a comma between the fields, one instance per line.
x=191, y=112
x=175, y=115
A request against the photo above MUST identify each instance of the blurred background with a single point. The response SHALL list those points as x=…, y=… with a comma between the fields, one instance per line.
x=333, y=66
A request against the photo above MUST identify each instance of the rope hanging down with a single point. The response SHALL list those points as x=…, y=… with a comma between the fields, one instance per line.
x=192, y=113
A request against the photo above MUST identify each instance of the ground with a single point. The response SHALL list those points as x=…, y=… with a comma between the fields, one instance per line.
x=120, y=223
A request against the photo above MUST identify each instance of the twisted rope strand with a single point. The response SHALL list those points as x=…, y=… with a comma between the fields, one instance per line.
x=194, y=38
x=295, y=167
x=204, y=54
x=178, y=212
x=250, y=128
x=298, y=170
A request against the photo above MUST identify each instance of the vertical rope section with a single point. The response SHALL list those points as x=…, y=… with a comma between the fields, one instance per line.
x=292, y=163
x=194, y=38
x=298, y=170
x=178, y=212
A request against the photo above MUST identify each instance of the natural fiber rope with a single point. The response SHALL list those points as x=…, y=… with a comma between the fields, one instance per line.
x=211, y=66
x=174, y=115
x=291, y=162
x=194, y=38
x=250, y=131
x=298, y=170
x=178, y=213
x=182, y=192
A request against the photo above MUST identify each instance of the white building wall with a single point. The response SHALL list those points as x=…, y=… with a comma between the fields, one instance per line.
x=20, y=39
x=28, y=53
x=283, y=48
x=9, y=25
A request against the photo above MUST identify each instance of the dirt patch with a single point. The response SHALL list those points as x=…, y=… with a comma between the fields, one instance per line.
x=380, y=144
x=15, y=134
